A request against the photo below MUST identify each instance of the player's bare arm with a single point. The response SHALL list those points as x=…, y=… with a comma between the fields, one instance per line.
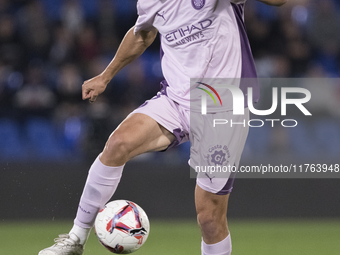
x=274, y=2
x=131, y=47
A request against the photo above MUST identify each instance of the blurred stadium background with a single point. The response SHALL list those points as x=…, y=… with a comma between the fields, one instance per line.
x=49, y=136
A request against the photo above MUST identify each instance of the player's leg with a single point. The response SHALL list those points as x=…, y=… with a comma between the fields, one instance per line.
x=137, y=134
x=212, y=219
x=213, y=149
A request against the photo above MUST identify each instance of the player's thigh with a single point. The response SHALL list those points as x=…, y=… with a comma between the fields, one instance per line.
x=137, y=134
x=145, y=133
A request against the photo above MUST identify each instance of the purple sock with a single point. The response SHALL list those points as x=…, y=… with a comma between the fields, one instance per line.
x=101, y=183
x=221, y=248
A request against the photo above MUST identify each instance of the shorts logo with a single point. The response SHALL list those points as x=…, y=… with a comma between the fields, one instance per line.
x=198, y=4
x=218, y=155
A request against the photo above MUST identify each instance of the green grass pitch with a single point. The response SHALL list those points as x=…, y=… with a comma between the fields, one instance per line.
x=279, y=237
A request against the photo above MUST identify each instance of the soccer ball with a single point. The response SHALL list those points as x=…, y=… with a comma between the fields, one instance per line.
x=122, y=226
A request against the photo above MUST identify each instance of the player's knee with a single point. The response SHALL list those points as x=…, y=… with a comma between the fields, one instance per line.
x=205, y=220
x=118, y=148
x=211, y=223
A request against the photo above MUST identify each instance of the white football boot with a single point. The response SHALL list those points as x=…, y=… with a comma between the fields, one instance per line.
x=65, y=244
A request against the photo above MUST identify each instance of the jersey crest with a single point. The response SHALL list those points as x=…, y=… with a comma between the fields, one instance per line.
x=198, y=4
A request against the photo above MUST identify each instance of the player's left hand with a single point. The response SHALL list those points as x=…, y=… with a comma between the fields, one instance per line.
x=92, y=88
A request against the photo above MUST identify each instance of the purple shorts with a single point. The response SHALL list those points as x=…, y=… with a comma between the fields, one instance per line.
x=211, y=147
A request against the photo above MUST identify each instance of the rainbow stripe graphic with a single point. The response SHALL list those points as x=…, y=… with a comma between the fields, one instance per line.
x=209, y=93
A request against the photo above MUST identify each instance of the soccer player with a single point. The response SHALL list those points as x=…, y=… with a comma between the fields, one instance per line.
x=200, y=39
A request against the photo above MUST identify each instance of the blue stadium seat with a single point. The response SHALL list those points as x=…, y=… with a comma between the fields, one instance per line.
x=184, y=151
x=302, y=141
x=11, y=143
x=257, y=143
x=327, y=134
x=43, y=141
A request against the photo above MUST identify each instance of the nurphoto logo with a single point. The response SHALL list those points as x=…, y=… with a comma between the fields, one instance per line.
x=238, y=99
